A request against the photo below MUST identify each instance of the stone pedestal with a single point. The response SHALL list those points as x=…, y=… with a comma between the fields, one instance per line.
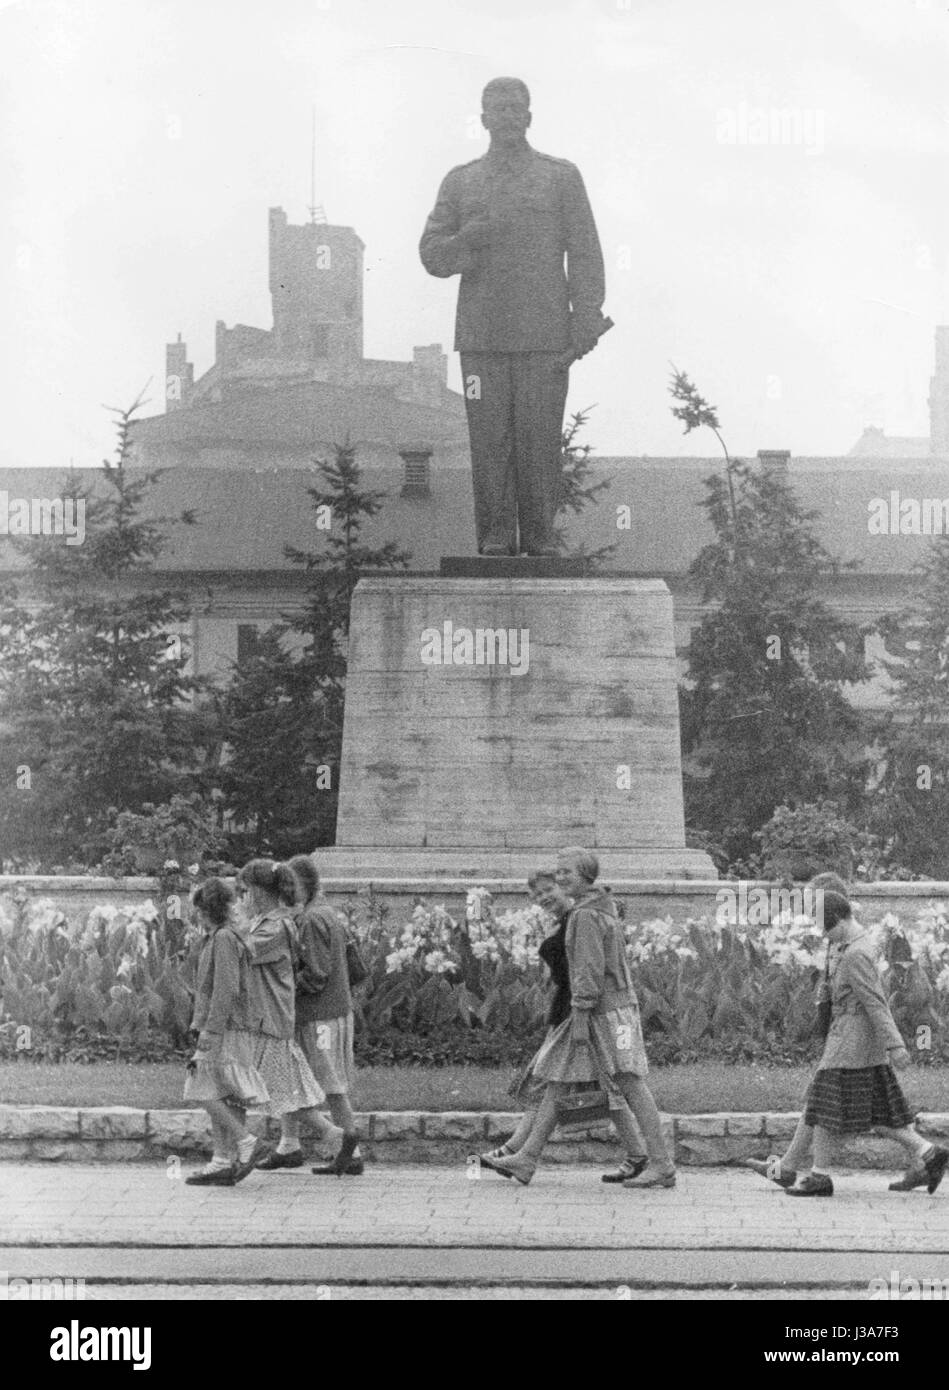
x=489, y=722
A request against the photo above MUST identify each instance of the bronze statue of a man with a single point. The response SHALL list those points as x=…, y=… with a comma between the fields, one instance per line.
x=505, y=222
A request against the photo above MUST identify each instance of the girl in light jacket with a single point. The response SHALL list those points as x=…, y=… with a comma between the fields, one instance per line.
x=271, y=891
x=855, y=1087
x=602, y=1038
x=323, y=1025
x=799, y=1155
x=544, y=890
x=223, y=1073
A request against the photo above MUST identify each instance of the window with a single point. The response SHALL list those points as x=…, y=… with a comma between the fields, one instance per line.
x=248, y=642
x=416, y=481
x=319, y=340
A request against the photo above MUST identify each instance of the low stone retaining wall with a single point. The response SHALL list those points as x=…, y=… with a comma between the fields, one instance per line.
x=120, y=1134
x=679, y=899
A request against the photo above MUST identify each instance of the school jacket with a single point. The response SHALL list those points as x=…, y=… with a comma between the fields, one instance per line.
x=322, y=974
x=600, y=979
x=223, y=995
x=862, y=1032
x=273, y=945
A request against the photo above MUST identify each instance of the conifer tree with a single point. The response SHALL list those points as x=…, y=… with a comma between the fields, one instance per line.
x=765, y=715
x=910, y=804
x=282, y=713
x=577, y=488
x=96, y=703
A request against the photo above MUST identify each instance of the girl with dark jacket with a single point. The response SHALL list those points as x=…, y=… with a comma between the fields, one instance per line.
x=542, y=889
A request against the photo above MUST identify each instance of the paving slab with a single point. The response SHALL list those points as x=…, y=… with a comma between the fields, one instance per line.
x=729, y=1207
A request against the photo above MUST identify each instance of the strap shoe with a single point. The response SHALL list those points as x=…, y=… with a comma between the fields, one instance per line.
x=354, y=1169
x=813, y=1185
x=279, y=1160
x=212, y=1177
x=629, y=1168
x=771, y=1169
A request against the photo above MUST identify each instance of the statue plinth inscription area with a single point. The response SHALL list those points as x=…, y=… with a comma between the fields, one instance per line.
x=489, y=722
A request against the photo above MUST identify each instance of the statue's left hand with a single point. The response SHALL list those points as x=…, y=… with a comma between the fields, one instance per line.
x=582, y=339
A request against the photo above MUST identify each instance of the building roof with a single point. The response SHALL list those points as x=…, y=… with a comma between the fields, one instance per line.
x=873, y=443
x=245, y=517
x=306, y=414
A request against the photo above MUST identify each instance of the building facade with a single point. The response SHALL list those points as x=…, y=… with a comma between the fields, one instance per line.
x=239, y=446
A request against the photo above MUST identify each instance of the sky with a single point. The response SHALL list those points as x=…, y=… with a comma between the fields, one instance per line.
x=794, y=266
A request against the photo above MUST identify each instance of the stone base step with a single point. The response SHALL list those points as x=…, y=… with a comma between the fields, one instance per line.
x=446, y=868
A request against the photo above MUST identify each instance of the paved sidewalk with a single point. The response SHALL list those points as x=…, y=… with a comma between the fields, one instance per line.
x=565, y=1207
x=719, y=1231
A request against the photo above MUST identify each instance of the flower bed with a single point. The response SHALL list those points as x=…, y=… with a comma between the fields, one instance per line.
x=118, y=981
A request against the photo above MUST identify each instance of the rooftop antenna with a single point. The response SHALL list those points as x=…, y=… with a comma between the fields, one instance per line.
x=316, y=210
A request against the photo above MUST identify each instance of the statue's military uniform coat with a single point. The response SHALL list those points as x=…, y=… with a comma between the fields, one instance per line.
x=515, y=308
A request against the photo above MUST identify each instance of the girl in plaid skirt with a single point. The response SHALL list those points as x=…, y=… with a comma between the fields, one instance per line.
x=855, y=1088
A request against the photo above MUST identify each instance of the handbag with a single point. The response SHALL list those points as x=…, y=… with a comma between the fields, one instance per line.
x=356, y=966
x=824, y=1011
x=586, y=1103
x=582, y=1106
x=824, y=1007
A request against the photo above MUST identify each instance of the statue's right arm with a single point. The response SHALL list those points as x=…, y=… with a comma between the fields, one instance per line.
x=442, y=251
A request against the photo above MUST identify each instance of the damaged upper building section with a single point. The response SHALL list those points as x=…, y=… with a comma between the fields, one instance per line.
x=275, y=396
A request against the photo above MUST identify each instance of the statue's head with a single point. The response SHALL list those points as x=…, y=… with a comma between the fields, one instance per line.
x=506, y=109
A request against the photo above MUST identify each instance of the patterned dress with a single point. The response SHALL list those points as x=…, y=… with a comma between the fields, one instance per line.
x=221, y=1015
x=277, y=1055
x=553, y=952
x=602, y=990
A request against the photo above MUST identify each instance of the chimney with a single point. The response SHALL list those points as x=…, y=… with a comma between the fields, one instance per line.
x=429, y=373
x=179, y=375
x=774, y=460
x=939, y=396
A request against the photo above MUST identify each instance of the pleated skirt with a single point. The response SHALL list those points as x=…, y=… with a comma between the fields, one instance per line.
x=233, y=1076
x=619, y=1044
x=853, y=1101
x=327, y=1045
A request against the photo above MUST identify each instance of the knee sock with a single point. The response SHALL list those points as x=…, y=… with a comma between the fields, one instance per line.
x=245, y=1147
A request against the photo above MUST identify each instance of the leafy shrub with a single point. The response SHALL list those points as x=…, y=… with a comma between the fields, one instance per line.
x=799, y=842
x=183, y=830
x=119, y=983
x=114, y=983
